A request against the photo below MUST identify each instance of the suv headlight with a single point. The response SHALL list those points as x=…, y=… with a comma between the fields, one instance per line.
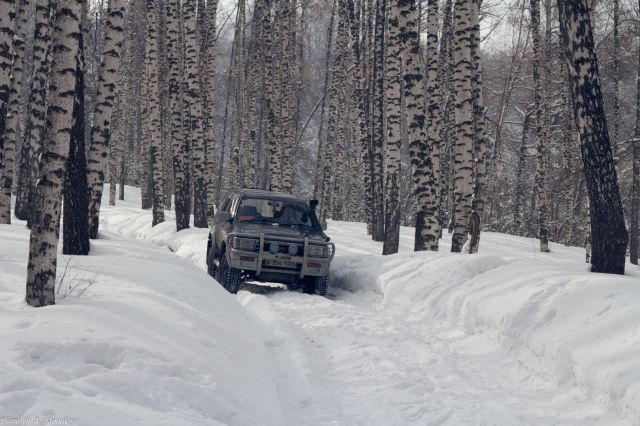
x=317, y=251
x=248, y=244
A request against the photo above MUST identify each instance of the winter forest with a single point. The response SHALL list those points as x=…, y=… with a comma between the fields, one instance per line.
x=389, y=112
x=495, y=129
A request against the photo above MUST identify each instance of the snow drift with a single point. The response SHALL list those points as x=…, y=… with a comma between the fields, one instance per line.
x=154, y=341
x=560, y=321
x=157, y=341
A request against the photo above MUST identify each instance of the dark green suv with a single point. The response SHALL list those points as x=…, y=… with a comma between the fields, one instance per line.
x=269, y=236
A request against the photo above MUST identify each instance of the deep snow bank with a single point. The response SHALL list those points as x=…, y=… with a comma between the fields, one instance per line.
x=153, y=341
x=560, y=321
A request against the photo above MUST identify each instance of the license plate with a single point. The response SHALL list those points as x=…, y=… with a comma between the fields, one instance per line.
x=280, y=263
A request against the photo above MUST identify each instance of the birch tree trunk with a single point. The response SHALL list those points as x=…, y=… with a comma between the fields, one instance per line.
x=378, y=117
x=463, y=149
x=540, y=133
x=99, y=145
x=322, y=142
x=615, y=142
x=210, y=107
x=237, y=65
x=34, y=128
x=446, y=120
x=10, y=131
x=360, y=142
x=179, y=147
x=608, y=234
x=480, y=133
x=516, y=229
x=291, y=91
x=41, y=269
x=334, y=133
x=195, y=115
x=116, y=136
x=395, y=51
x=256, y=65
x=7, y=24
x=145, y=133
x=75, y=207
x=152, y=118
x=634, y=237
x=425, y=147
x=275, y=116
x=367, y=66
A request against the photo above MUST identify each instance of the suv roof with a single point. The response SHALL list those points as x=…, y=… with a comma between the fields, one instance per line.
x=261, y=193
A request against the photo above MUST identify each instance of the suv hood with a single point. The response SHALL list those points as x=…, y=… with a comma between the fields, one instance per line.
x=277, y=231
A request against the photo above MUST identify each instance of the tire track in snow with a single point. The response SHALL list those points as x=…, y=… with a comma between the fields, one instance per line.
x=381, y=369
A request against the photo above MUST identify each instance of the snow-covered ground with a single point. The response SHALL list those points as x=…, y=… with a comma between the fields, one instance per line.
x=507, y=337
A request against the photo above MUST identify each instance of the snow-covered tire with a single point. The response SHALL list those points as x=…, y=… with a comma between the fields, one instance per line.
x=212, y=269
x=229, y=277
x=315, y=285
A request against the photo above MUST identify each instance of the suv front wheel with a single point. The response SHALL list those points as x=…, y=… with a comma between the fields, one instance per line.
x=315, y=285
x=228, y=276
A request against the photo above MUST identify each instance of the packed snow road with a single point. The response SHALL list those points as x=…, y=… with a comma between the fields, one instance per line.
x=352, y=360
x=507, y=337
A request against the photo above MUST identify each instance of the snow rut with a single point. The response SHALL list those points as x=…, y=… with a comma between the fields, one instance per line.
x=513, y=337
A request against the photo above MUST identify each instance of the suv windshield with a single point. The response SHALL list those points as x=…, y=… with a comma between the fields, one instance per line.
x=281, y=212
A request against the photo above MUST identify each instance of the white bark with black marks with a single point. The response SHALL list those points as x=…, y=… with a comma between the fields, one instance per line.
x=540, y=131
x=377, y=119
x=395, y=51
x=34, y=128
x=209, y=104
x=194, y=115
x=425, y=146
x=43, y=245
x=608, y=234
x=464, y=123
x=151, y=120
x=7, y=20
x=99, y=146
x=480, y=140
x=10, y=131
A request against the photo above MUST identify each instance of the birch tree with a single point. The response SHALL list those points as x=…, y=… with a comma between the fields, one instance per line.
x=634, y=237
x=615, y=141
x=336, y=99
x=256, y=66
x=41, y=268
x=322, y=141
x=422, y=148
x=446, y=119
x=7, y=19
x=10, y=131
x=99, y=143
x=179, y=147
x=540, y=132
x=151, y=119
x=209, y=90
x=480, y=133
x=608, y=234
x=395, y=49
x=34, y=128
x=194, y=115
x=464, y=126
x=75, y=225
x=377, y=120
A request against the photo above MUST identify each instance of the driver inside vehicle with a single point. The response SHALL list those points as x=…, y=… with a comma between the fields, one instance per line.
x=278, y=212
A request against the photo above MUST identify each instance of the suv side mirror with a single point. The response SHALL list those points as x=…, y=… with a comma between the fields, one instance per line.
x=222, y=217
x=313, y=204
